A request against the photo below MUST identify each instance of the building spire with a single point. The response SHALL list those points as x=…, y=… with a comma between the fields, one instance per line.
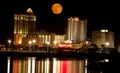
x=29, y=10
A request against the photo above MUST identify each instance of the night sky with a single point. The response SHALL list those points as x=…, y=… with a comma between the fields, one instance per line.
x=100, y=15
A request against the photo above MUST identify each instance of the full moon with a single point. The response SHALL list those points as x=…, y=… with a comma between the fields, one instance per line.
x=57, y=8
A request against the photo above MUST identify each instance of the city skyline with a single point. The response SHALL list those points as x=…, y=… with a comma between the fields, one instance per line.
x=99, y=16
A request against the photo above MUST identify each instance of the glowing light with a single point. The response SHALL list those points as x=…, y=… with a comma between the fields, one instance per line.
x=42, y=67
x=104, y=30
x=106, y=60
x=19, y=42
x=30, y=42
x=76, y=19
x=9, y=41
x=58, y=66
x=107, y=43
x=69, y=66
x=55, y=42
x=47, y=65
x=8, y=65
x=33, y=64
x=54, y=65
x=34, y=41
x=57, y=8
x=86, y=70
x=15, y=66
x=29, y=10
x=86, y=62
x=65, y=45
x=64, y=66
x=29, y=64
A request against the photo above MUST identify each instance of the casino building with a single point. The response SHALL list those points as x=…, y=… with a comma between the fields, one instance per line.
x=24, y=24
x=77, y=30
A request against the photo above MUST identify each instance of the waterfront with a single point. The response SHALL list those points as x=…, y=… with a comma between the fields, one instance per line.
x=34, y=62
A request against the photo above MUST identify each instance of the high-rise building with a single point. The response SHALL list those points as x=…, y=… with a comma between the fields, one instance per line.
x=24, y=24
x=103, y=38
x=77, y=30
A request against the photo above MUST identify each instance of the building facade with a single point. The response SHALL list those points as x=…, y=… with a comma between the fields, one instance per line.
x=24, y=24
x=43, y=38
x=103, y=38
x=77, y=30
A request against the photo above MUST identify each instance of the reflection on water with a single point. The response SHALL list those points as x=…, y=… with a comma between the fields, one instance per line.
x=47, y=65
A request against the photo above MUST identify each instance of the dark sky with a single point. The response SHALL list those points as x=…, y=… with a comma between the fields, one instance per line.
x=100, y=14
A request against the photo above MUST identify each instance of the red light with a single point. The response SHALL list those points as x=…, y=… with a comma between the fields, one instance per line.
x=65, y=45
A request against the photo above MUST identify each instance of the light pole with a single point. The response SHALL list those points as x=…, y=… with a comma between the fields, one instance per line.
x=29, y=42
x=34, y=42
x=48, y=43
x=55, y=42
x=107, y=46
x=86, y=42
x=9, y=42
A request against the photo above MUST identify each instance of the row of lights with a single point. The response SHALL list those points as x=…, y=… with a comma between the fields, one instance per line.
x=33, y=41
x=55, y=42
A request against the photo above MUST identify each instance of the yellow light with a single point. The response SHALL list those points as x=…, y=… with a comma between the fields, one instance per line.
x=47, y=65
x=19, y=42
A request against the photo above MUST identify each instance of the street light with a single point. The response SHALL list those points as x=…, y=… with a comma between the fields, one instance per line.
x=55, y=42
x=34, y=41
x=107, y=44
x=86, y=42
x=9, y=42
x=29, y=42
x=48, y=43
x=107, y=47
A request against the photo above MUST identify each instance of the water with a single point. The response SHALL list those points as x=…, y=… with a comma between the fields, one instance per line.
x=52, y=65
x=62, y=63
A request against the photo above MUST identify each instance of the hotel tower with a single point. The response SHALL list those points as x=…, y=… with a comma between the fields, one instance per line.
x=77, y=30
x=103, y=37
x=24, y=24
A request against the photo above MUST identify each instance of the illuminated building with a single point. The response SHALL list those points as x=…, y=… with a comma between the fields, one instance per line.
x=77, y=30
x=24, y=24
x=26, y=41
x=42, y=38
x=103, y=37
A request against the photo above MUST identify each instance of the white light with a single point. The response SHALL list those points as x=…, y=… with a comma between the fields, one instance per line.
x=107, y=43
x=106, y=60
x=33, y=64
x=47, y=43
x=9, y=41
x=55, y=42
x=104, y=30
x=30, y=42
x=86, y=42
x=86, y=70
x=34, y=41
x=8, y=65
x=54, y=65
x=86, y=62
x=47, y=65
x=29, y=64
